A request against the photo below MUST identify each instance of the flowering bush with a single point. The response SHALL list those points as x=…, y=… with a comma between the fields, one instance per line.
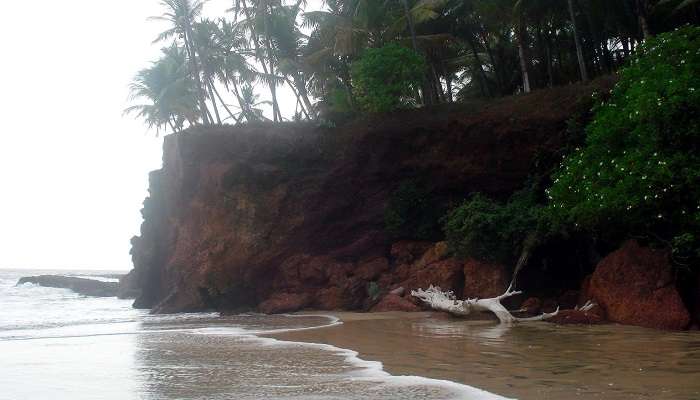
x=640, y=167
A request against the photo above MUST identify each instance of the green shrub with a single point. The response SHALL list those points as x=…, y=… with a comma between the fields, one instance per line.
x=385, y=79
x=639, y=170
x=412, y=213
x=489, y=230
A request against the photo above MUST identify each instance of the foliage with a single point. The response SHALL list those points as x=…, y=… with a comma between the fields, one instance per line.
x=412, y=212
x=470, y=48
x=639, y=170
x=386, y=78
x=489, y=230
x=165, y=91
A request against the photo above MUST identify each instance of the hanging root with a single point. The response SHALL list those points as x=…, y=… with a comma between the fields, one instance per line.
x=446, y=301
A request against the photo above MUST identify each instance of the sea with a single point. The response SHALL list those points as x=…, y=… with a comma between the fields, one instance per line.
x=55, y=344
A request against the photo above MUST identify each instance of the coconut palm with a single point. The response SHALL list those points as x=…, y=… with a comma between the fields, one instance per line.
x=181, y=14
x=167, y=92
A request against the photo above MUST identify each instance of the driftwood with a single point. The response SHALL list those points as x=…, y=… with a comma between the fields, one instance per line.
x=446, y=301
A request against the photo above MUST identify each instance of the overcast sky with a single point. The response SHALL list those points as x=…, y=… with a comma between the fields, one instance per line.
x=73, y=170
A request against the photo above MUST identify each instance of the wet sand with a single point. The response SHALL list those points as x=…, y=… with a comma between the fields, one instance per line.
x=526, y=361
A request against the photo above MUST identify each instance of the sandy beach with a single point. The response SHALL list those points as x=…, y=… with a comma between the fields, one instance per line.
x=527, y=361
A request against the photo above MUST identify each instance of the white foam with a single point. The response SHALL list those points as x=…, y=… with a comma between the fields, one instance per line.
x=372, y=371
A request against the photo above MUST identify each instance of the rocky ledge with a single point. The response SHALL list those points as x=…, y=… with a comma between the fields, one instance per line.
x=85, y=287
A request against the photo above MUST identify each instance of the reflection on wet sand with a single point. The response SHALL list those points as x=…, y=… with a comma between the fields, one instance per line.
x=527, y=361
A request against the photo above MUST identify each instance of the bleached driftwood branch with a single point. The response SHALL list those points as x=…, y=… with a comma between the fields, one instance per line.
x=446, y=301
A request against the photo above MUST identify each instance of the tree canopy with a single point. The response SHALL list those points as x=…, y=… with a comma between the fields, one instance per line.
x=471, y=48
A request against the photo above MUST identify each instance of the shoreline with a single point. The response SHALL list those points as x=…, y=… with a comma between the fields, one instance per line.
x=525, y=361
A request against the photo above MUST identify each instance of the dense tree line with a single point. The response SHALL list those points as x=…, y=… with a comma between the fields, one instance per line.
x=209, y=69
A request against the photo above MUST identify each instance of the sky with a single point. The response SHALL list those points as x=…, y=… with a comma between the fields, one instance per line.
x=73, y=169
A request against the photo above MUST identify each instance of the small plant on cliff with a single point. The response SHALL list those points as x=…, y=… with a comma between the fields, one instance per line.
x=412, y=213
x=489, y=230
x=639, y=170
x=386, y=78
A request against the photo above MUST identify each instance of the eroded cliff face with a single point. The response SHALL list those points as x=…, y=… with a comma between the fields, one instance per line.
x=288, y=216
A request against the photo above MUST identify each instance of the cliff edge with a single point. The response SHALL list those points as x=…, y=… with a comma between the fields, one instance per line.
x=287, y=216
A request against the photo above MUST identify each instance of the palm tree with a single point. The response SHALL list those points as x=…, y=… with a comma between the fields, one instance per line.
x=182, y=14
x=256, y=20
x=251, y=105
x=167, y=90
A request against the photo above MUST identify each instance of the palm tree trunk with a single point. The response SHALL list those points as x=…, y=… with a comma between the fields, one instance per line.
x=210, y=86
x=299, y=100
x=492, y=58
x=522, y=52
x=260, y=58
x=579, y=50
x=270, y=55
x=480, y=67
x=412, y=29
x=642, y=16
x=223, y=103
x=189, y=48
x=303, y=93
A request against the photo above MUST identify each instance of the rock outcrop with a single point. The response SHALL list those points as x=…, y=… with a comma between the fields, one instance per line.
x=286, y=216
x=86, y=287
x=393, y=302
x=634, y=285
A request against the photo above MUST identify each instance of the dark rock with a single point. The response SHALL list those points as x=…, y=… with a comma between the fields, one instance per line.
x=393, y=302
x=128, y=287
x=406, y=252
x=370, y=270
x=399, y=291
x=549, y=305
x=532, y=306
x=483, y=280
x=634, y=285
x=568, y=317
x=569, y=299
x=86, y=287
x=284, y=302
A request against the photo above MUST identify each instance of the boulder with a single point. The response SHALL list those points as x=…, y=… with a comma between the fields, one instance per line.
x=394, y=302
x=437, y=252
x=634, y=285
x=86, y=287
x=349, y=295
x=406, y=251
x=284, y=302
x=446, y=274
x=483, y=279
x=371, y=269
x=303, y=270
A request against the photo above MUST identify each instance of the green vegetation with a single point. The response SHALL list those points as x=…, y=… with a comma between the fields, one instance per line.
x=386, y=78
x=489, y=230
x=639, y=170
x=230, y=69
x=412, y=213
